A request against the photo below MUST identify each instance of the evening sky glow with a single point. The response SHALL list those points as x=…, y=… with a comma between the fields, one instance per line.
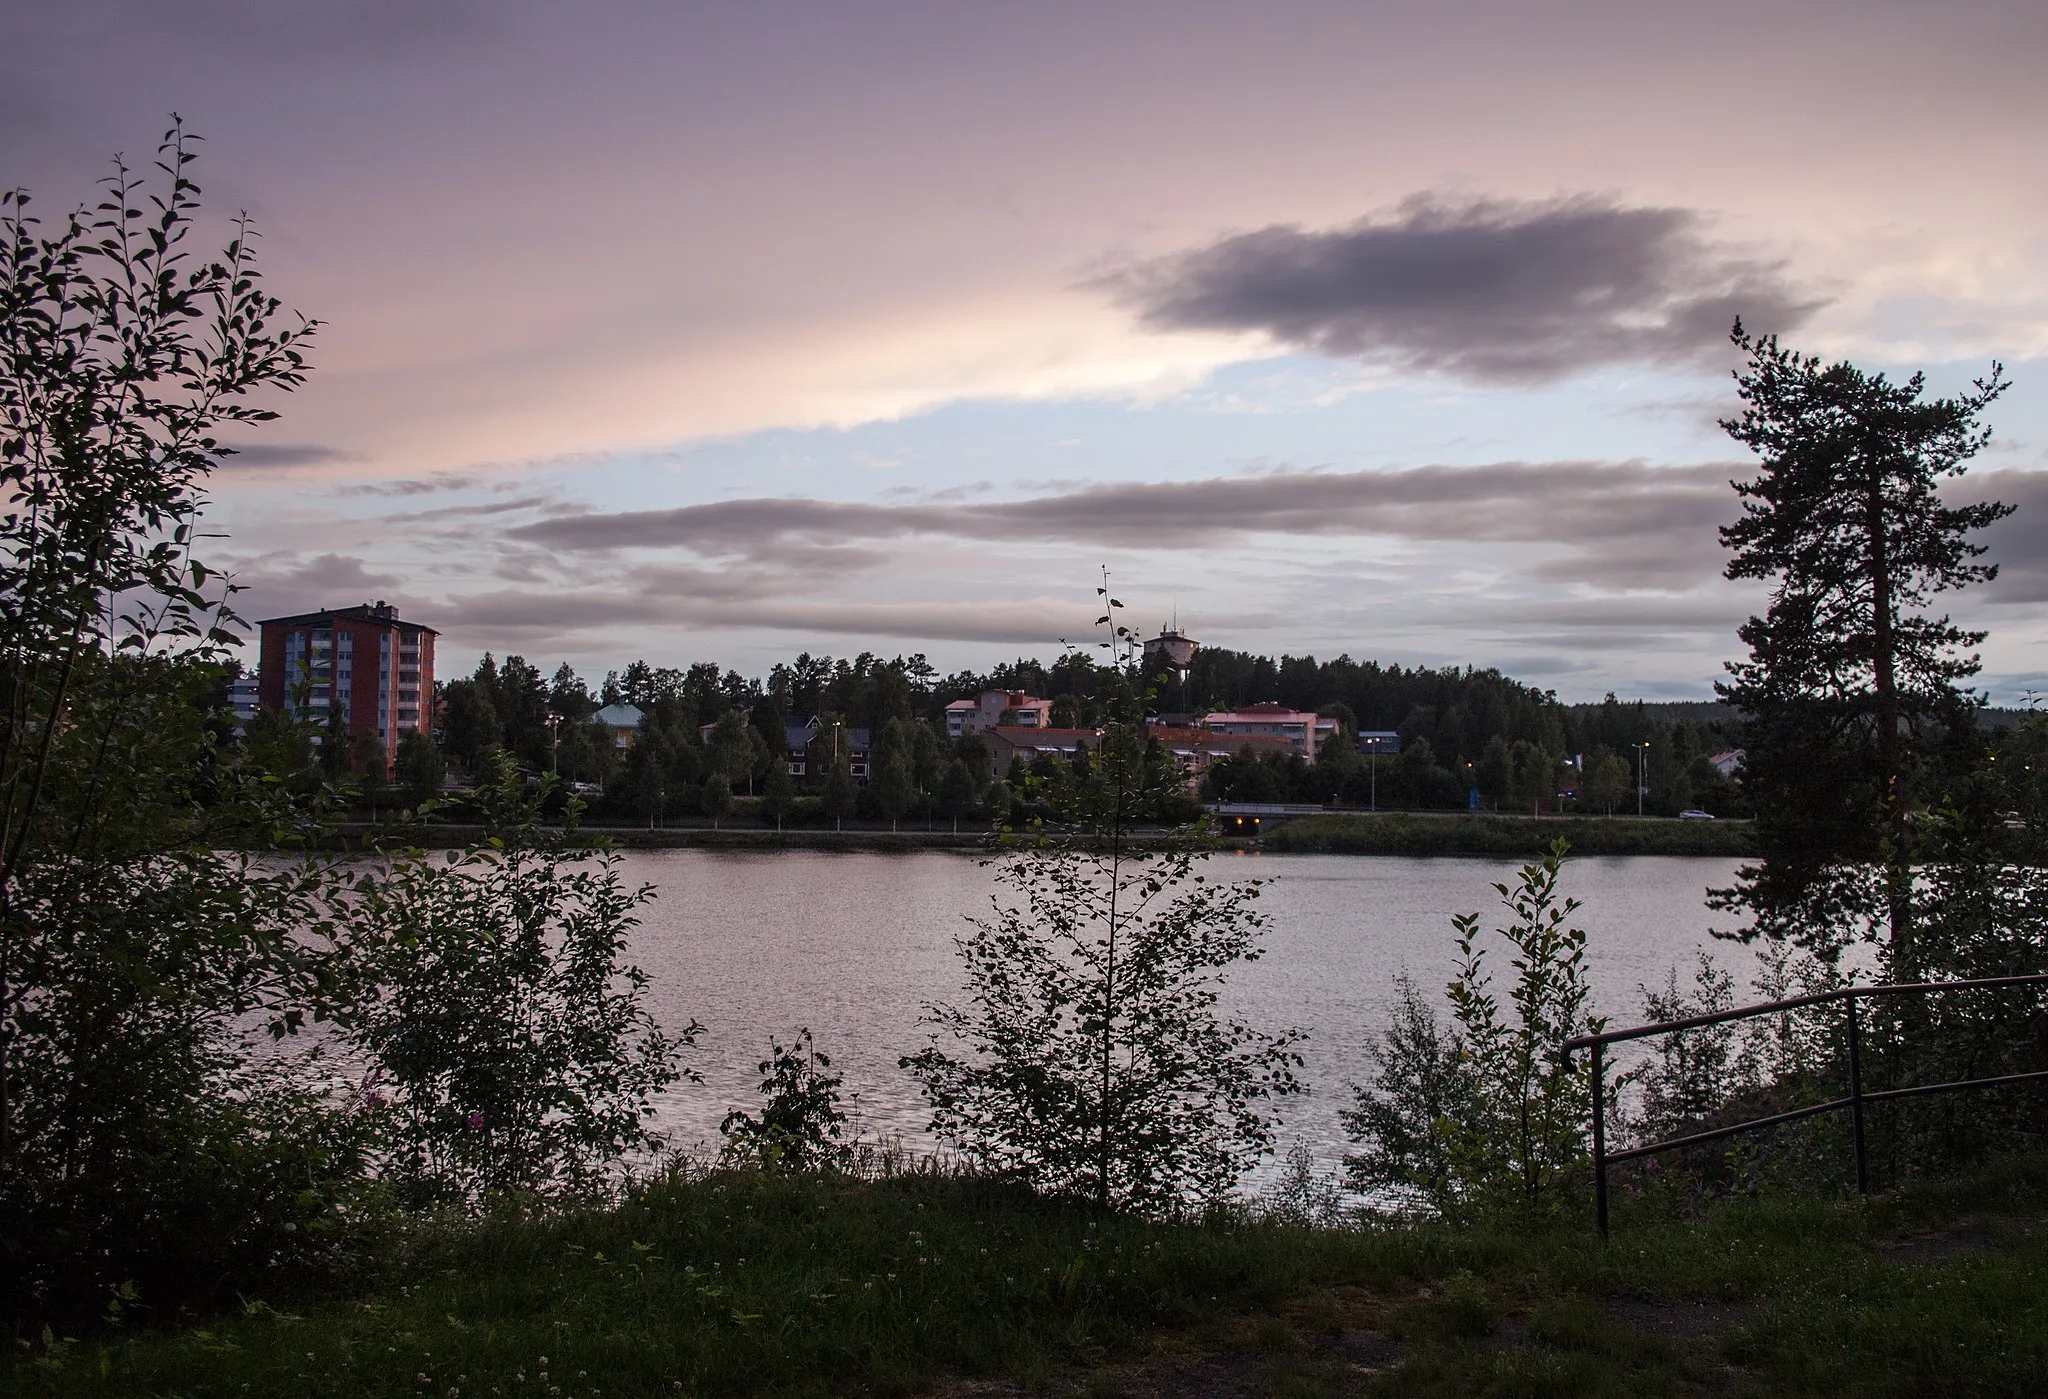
x=695, y=331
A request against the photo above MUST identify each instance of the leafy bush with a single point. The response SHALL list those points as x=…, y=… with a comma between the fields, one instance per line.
x=1488, y=1115
x=487, y=990
x=1424, y=1082
x=1690, y=1074
x=1304, y=1196
x=1098, y=1062
x=799, y=1126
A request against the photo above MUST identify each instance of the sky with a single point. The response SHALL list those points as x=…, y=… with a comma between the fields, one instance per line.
x=695, y=331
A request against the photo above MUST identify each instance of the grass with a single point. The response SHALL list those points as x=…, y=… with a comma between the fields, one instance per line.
x=746, y=1285
x=1518, y=837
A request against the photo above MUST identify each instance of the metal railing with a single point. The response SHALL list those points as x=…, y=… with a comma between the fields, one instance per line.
x=1855, y=1102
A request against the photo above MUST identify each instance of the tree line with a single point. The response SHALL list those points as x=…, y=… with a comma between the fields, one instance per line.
x=1458, y=730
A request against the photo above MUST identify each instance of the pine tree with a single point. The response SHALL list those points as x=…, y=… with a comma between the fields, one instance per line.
x=1849, y=682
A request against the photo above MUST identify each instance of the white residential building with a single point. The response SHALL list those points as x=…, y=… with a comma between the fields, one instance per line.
x=993, y=708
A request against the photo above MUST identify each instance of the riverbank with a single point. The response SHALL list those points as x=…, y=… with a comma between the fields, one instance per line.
x=440, y=836
x=743, y=1284
x=1512, y=837
x=1336, y=833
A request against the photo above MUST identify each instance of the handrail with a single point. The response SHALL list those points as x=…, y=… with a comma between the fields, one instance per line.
x=1855, y=1102
x=1881, y=988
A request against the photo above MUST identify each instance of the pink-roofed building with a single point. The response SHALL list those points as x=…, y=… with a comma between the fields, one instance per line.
x=1007, y=708
x=1305, y=732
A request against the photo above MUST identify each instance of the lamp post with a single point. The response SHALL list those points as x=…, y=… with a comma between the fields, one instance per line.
x=1372, y=758
x=1642, y=767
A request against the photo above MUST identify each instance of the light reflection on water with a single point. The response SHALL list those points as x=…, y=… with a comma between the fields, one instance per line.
x=853, y=945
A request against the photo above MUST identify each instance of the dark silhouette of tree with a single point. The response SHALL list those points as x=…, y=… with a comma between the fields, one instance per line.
x=778, y=792
x=1850, y=684
x=419, y=769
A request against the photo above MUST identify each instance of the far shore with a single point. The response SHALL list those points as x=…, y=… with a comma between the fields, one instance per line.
x=1398, y=833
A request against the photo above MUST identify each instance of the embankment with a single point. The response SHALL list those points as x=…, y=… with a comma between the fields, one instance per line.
x=1514, y=837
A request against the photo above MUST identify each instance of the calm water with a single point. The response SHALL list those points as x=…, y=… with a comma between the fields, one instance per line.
x=853, y=945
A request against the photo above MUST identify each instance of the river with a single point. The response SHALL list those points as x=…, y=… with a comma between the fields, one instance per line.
x=853, y=945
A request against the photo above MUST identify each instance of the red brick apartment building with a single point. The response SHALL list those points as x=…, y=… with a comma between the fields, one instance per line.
x=378, y=670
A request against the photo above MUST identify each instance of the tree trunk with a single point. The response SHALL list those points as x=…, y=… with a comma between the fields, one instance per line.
x=1898, y=865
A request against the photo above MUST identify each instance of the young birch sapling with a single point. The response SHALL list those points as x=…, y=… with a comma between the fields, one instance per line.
x=1090, y=1058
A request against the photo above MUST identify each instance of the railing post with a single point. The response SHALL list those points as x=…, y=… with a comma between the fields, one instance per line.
x=1856, y=1095
x=1600, y=1138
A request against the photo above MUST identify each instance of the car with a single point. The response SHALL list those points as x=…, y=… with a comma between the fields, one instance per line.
x=1695, y=815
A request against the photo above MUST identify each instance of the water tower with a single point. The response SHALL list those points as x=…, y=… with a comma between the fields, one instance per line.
x=1177, y=650
x=1171, y=650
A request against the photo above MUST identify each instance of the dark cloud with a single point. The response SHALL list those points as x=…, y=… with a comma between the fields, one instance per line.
x=1625, y=523
x=1491, y=290
x=2018, y=544
x=485, y=511
x=419, y=485
x=286, y=454
x=327, y=32
x=555, y=615
x=279, y=585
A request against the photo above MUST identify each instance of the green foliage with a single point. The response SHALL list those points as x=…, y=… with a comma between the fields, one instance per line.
x=840, y=795
x=1514, y=837
x=1423, y=1083
x=142, y=1143
x=488, y=991
x=894, y=785
x=778, y=793
x=714, y=798
x=736, y=749
x=643, y=782
x=799, y=1126
x=1098, y=1063
x=277, y=745
x=1528, y=1125
x=1687, y=1076
x=419, y=769
x=1488, y=1116
x=743, y=1283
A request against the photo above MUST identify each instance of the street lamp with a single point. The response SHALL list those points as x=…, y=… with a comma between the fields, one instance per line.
x=1642, y=766
x=1372, y=751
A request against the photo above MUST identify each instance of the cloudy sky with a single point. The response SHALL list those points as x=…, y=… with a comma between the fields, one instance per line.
x=719, y=331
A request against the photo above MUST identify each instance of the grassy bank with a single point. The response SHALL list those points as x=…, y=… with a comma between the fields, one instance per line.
x=744, y=1285
x=734, y=837
x=1387, y=833
x=1515, y=837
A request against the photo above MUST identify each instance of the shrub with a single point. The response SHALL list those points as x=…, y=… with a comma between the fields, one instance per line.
x=1489, y=1115
x=487, y=989
x=799, y=1126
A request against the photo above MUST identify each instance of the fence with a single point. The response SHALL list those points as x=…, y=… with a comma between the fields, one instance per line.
x=1854, y=1103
